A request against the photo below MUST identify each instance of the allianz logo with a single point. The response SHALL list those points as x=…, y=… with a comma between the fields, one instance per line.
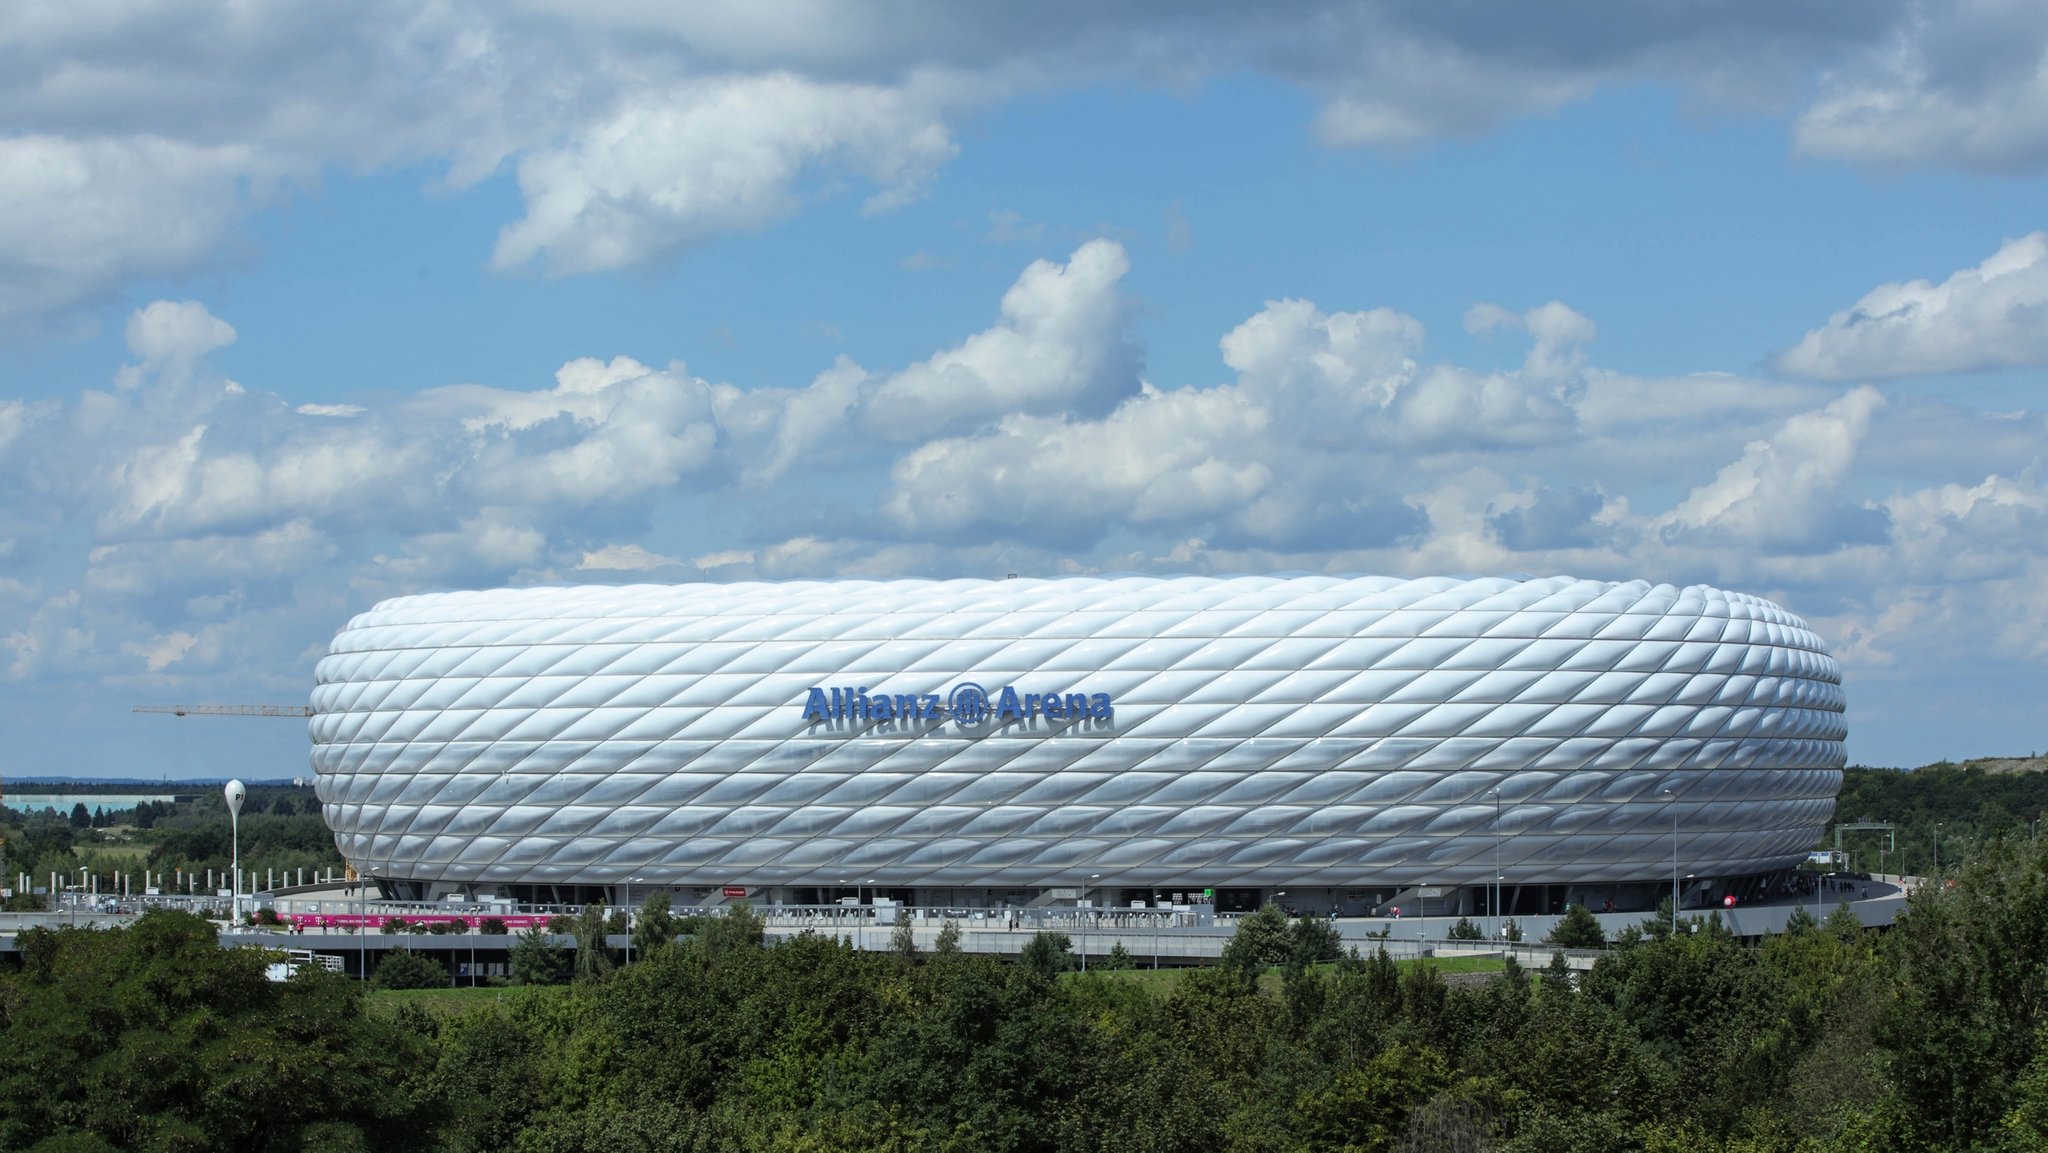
x=967, y=704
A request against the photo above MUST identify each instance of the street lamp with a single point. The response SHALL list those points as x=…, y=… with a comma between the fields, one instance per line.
x=1496, y=863
x=1673, y=794
x=235, y=794
x=630, y=882
x=1086, y=911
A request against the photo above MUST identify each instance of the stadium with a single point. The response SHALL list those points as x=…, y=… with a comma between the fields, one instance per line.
x=1342, y=744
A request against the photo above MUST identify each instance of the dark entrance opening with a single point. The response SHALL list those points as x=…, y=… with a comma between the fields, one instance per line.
x=1238, y=900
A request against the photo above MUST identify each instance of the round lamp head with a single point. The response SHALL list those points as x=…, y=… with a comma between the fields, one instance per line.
x=235, y=792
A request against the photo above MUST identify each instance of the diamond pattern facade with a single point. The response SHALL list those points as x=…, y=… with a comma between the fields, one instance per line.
x=1243, y=731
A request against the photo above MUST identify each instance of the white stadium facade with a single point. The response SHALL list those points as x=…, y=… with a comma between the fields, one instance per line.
x=1334, y=743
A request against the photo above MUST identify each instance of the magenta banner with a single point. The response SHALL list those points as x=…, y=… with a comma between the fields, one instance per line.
x=515, y=923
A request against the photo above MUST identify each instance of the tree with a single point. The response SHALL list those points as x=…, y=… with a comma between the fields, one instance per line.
x=740, y=928
x=80, y=818
x=1312, y=941
x=949, y=938
x=1047, y=954
x=593, y=955
x=535, y=960
x=1971, y=964
x=404, y=969
x=155, y=1037
x=903, y=942
x=1119, y=958
x=1577, y=929
x=1368, y=1107
x=1464, y=930
x=656, y=926
x=1261, y=940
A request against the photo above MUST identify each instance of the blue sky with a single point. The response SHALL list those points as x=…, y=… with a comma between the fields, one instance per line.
x=300, y=311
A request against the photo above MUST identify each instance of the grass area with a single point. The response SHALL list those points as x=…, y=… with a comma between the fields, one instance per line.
x=455, y=1002
x=1461, y=964
x=1156, y=981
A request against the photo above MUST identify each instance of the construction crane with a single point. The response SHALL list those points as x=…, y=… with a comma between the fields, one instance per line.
x=228, y=710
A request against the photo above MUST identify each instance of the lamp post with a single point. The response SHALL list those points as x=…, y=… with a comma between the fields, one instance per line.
x=1497, y=927
x=235, y=794
x=1673, y=794
x=1086, y=910
x=630, y=882
x=1422, y=917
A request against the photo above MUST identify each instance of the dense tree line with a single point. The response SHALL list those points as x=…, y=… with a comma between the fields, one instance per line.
x=281, y=829
x=1828, y=1039
x=1960, y=807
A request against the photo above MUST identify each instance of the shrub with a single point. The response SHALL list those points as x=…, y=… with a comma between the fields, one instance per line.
x=1048, y=954
x=492, y=927
x=1464, y=930
x=405, y=969
x=1577, y=929
x=396, y=925
x=536, y=961
x=1119, y=958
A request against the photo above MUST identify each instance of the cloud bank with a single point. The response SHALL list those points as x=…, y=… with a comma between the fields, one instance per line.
x=135, y=137
x=180, y=525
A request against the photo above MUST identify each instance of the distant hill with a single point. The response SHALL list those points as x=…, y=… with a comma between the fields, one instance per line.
x=2032, y=764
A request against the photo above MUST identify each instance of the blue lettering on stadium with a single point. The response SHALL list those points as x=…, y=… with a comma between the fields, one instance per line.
x=967, y=703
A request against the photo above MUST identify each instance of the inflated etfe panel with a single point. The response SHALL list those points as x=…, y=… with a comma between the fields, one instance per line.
x=1192, y=732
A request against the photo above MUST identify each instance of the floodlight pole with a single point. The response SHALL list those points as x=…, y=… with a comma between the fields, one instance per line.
x=235, y=793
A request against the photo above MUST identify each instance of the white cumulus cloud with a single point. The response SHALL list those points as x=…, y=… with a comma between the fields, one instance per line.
x=671, y=167
x=87, y=213
x=1783, y=492
x=139, y=134
x=1992, y=316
